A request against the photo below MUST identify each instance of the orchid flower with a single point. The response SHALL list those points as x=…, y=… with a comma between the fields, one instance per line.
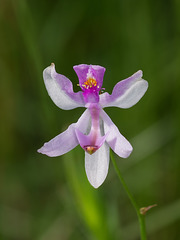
x=94, y=131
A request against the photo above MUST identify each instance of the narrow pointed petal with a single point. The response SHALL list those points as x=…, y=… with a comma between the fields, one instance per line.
x=67, y=140
x=60, y=90
x=115, y=139
x=126, y=93
x=97, y=165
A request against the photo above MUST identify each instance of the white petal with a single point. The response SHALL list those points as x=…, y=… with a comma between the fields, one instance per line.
x=97, y=165
x=115, y=139
x=60, y=90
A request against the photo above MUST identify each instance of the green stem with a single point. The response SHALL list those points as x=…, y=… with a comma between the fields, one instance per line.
x=140, y=216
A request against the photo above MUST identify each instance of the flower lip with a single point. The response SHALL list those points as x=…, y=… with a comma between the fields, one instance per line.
x=91, y=149
x=85, y=72
x=90, y=81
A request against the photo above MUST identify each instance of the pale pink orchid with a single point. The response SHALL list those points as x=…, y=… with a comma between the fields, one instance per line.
x=94, y=130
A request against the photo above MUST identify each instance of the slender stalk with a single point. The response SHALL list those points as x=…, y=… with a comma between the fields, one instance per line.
x=140, y=216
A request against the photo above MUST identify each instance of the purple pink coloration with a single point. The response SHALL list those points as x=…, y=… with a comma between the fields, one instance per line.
x=94, y=131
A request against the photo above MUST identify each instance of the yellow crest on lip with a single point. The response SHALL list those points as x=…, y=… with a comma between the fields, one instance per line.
x=91, y=82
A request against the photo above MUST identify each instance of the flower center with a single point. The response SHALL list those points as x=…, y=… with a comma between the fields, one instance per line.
x=90, y=83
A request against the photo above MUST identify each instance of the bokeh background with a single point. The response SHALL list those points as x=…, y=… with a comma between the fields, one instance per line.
x=46, y=198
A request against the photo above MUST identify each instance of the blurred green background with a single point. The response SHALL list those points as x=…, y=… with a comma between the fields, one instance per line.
x=46, y=198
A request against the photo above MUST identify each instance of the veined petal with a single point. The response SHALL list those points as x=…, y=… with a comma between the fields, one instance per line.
x=115, y=139
x=60, y=90
x=97, y=165
x=67, y=140
x=126, y=93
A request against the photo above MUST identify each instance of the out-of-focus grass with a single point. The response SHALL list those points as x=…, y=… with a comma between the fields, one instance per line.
x=50, y=198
